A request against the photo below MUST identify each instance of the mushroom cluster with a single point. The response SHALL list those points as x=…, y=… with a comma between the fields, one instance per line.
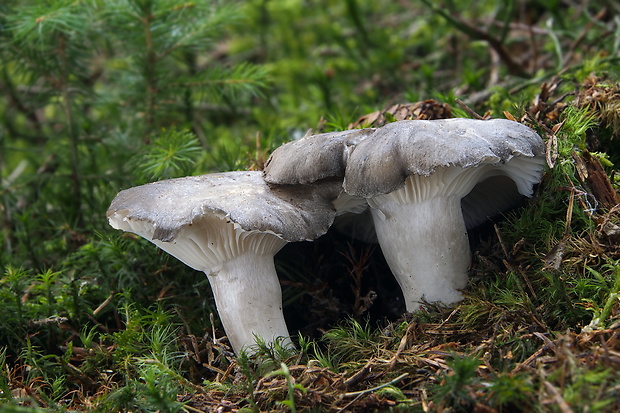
x=414, y=186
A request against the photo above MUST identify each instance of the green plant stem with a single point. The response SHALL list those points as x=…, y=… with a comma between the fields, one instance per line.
x=613, y=297
x=74, y=136
x=5, y=221
x=149, y=74
x=396, y=380
x=356, y=17
x=556, y=45
x=290, y=387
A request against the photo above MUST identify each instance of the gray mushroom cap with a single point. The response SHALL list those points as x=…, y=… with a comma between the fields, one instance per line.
x=381, y=163
x=313, y=158
x=242, y=198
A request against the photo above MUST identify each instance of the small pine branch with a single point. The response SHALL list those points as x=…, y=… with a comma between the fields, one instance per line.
x=243, y=80
x=172, y=154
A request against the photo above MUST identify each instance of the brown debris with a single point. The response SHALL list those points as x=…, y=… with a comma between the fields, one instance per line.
x=599, y=183
x=544, y=111
x=427, y=109
x=608, y=225
x=604, y=99
x=414, y=359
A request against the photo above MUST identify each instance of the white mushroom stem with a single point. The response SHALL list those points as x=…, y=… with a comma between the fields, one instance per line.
x=241, y=271
x=249, y=301
x=422, y=233
x=426, y=246
x=243, y=278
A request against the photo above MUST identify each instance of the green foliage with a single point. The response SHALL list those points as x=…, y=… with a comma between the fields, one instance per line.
x=153, y=389
x=603, y=295
x=158, y=389
x=4, y=377
x=171, y=155
x=291, y=387
x=576, y=123
x=44, y=309
x=510, y=391
x=161, y=71
x=147, y=354
x=351, y=341
x=455, y=387
x=250, y=379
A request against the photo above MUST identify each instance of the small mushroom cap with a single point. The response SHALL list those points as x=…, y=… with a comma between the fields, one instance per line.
x=313, y=158
x=242, y=198
x=381, y=163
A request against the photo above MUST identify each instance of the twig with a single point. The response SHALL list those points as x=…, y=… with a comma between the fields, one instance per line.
x=569, y=214
x=529, y=286
x=531, y=358
x=477, y=33
x=360, y=375
x=193, y=409
x=564, y=407
x=361, y=392
x=401, y=346
x=469, y=110
x=586, y=30
x=103, y=304
x=212, y=321
x=101, y=326
x=548, y=345
x=510, y=266
x=444, y=322
x=227, y=372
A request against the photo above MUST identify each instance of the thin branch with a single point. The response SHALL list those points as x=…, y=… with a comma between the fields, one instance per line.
x=373, y=389
x=479, y=34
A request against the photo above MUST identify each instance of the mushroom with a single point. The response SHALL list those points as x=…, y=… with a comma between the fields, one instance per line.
x=230, y=226
x=314, y=158
x=414, y=175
